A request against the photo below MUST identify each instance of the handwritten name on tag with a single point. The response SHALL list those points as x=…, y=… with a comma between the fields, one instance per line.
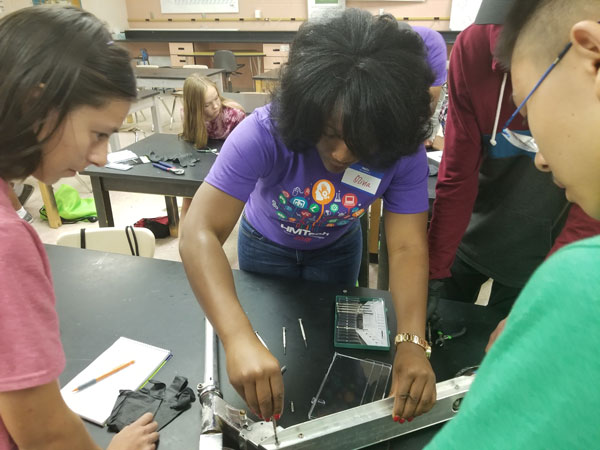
x=362, y=178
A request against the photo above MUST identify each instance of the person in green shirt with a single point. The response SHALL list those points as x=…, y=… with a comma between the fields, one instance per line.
x=537, y=388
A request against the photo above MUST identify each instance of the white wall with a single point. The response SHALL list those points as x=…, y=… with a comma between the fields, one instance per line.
x=13, y=5
x=113, y=12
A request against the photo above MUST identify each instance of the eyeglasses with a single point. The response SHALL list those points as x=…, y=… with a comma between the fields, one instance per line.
x=523, y=141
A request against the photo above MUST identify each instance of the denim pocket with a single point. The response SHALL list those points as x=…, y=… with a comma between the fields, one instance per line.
x=249, y=231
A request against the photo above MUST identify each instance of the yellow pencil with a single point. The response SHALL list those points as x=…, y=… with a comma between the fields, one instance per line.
x=102, y=377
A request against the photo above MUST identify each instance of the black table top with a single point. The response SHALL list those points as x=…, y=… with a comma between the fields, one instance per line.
x=167, y=145
x=272, y=74
x=432, y=179
x=102, y=296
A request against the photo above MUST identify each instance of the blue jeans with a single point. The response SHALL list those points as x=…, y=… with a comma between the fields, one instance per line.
x=338, y=262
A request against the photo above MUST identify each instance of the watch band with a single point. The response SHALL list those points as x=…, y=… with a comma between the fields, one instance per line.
x=407, y=337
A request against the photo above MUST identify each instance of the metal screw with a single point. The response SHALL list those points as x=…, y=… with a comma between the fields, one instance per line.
x=243, y=418
x=456, y=404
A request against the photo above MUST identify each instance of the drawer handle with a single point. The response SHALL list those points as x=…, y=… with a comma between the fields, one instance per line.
x=182, y=60
x=276, y=63
x=180, y=48
x=276, y=50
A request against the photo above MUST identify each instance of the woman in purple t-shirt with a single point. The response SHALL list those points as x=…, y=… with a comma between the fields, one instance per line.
x=346, y=127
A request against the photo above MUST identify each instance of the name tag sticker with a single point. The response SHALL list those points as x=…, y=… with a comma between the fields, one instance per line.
x=363, y=178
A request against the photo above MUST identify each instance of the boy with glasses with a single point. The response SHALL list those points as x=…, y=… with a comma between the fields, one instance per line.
x=538, y=386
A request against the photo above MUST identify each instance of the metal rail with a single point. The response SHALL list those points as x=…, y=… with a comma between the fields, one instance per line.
x=211, y=437
x=353, y=428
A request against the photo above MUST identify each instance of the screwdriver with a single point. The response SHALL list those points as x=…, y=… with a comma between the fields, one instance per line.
x=261, y=339
x=275, y=431
x=302, y=331
x=284, y=343
x=283, y=369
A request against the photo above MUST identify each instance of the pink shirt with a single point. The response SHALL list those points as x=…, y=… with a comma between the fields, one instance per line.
x=31, y=353
x=224, y=123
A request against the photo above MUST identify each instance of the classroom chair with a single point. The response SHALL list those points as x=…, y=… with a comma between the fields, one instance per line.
x=128, y=240
x=225, y=59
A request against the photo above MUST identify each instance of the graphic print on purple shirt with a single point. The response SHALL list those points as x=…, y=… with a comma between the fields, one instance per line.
x=291, y=198
x=308, y=212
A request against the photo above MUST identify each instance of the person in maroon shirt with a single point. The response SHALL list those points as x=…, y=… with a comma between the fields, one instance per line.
x=494, y=216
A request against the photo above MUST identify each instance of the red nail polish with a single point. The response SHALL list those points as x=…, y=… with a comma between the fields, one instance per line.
x=396, y=418
x=410, y=419
x=260, y=416
x=402, y=420
x=277, y=416
x=267, y=419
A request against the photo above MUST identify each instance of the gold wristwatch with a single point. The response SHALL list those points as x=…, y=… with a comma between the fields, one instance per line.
x=407, y=337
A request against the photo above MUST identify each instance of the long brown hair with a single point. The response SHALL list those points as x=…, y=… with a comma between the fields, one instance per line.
x=54, y=59
x=194, y=97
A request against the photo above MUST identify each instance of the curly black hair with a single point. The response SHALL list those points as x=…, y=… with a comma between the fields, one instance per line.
x=365, y=70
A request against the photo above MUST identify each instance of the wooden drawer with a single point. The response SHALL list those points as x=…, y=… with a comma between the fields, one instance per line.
x=180, y=47
x=266, y=86
x=276, y=49
x=274, y=62
x=178, y=61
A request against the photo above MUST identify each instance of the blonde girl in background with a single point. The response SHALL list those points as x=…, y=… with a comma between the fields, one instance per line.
x=206, y=115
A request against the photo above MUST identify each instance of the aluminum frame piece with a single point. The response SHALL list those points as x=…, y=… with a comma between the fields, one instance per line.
x=353, y=428
x=211, y=437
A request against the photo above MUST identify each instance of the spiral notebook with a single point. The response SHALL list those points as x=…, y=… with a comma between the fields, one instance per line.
x=96, y=402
